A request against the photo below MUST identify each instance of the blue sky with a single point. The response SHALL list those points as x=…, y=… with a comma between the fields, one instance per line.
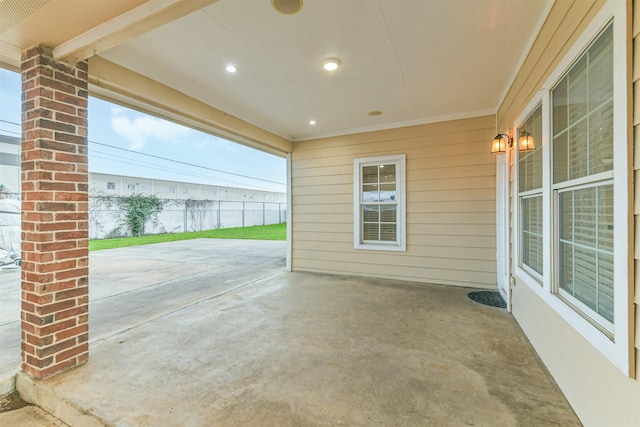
x=131, y=130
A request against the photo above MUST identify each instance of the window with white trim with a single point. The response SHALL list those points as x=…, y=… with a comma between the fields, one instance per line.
x=585, y=190
x=530, y=193
x=582, y=139
x=379, y=203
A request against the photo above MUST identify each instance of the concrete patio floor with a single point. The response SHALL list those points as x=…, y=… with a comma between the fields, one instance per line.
x=293, y=349
x=132, y=285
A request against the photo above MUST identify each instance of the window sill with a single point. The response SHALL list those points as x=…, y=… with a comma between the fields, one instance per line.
x=594, y=334
x=394, y=247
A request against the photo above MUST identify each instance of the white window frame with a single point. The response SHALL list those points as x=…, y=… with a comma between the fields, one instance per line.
x=401, y=216
x=617, y=346
x=522, y=272
x=521, y=195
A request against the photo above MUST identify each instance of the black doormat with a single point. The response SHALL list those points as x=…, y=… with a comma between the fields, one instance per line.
x=490, y=298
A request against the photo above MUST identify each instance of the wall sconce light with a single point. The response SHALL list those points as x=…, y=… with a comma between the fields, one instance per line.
x=499, y=145
x=526, y=142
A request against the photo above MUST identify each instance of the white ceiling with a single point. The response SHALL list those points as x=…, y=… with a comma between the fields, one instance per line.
x=418, y=61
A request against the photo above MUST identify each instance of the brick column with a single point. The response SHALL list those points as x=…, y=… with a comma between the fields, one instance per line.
x=55, y=214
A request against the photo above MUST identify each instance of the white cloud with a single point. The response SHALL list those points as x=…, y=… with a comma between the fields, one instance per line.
x=210, y=142
x=139, y=130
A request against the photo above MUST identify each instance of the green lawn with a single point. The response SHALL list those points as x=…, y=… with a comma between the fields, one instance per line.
x=266, y=232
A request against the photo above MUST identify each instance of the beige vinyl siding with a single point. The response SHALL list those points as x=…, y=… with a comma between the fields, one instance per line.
x=450, y=183
x=635, y=137
x=564, y=24
x=581, y=371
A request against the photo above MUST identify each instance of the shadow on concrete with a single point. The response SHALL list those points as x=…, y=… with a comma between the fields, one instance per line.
x=303, y=349
x=131, y=286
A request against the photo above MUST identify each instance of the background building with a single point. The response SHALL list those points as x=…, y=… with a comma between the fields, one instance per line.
x=187, y=206
x=119, y=185
x=10, y=164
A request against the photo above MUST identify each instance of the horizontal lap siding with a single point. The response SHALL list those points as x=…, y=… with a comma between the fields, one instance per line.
x=581, y=371
x=566, y=21
x=450, y=204
x=636, y=169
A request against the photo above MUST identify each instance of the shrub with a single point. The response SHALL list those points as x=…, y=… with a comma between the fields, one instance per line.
x=138, y=209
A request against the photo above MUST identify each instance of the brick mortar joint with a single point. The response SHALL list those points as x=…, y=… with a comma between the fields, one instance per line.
x=54, y=90
x=64, y=349
x=41, y=49
x=39, y=327
x=53, y=334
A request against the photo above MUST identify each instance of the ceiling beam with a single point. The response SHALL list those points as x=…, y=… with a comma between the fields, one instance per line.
x=135, y=22
x=10, y=56
x=115, y=83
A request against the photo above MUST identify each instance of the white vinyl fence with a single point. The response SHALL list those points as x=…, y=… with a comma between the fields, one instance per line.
x=177, y=216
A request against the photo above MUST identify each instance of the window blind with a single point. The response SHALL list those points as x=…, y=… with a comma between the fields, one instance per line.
x=582, y=111
x=379, y=204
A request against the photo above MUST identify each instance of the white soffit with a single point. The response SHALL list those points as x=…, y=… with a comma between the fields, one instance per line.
x=416, y=61
x=23, y=23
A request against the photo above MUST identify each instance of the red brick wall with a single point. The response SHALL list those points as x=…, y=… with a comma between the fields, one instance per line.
x=55, y=214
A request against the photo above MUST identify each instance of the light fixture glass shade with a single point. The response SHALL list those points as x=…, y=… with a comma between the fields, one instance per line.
x=499, y=145
x=526, y=143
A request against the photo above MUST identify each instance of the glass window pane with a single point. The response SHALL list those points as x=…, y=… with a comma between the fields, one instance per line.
x=388, y=173
x=601, y=139
x=530, y=163
x=532, y=233
x=560, y=102
x=560, y=157
x=379, y=204
x=578, y=91
x=388, y=213
x=584, y=217
x=605, y=218
x=387, y=192
x=581, y=146
x=605, y=286
x=582, y=111
x=601, y=70
x=566, y=211
x=370, y=174
x=578, y=150
x=370, y=213
x=370, y=193
x=388, y=232
x=585, y=276
x=370, y=231
x=586, y=253
x=566, y=267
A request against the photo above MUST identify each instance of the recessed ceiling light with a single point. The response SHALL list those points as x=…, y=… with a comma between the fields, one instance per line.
x=287, y=7
x=374, y=113
x=312, y=122
x=330, y=64
x=231, y=68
